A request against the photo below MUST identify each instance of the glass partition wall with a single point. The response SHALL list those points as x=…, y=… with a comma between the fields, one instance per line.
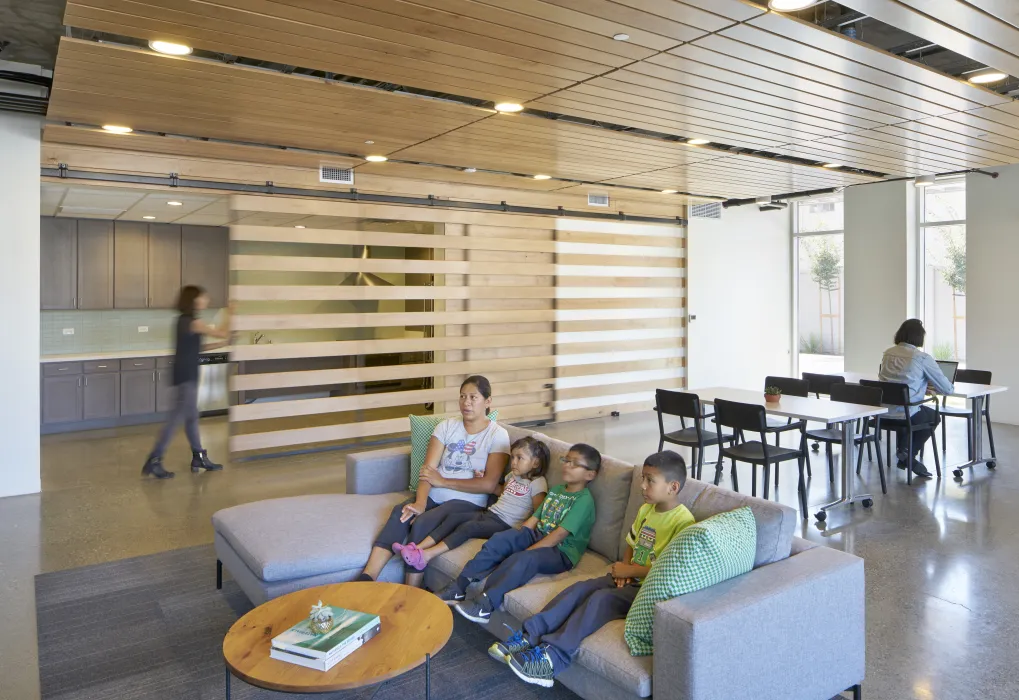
x=819, y=281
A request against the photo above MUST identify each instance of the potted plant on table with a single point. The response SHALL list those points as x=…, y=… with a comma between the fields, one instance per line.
x=772, y=394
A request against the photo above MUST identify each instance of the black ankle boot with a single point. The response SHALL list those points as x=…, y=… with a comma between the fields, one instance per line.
x=154, y=467
x=200, y=460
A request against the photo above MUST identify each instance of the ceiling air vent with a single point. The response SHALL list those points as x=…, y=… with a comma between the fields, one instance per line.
x=335, y=174
x=709, y=210
x=597, y=200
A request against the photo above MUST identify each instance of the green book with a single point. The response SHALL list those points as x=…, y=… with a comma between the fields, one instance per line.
x=350, y=630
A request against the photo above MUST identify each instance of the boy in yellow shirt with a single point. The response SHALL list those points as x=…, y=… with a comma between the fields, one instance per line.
x=546, y=645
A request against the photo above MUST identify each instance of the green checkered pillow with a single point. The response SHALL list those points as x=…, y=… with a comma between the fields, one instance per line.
x=421, y=429
x=709, y=552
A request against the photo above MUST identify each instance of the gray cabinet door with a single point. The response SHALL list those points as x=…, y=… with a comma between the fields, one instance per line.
x=101, y=396
x=165, y=393
x=95, y=264
x=205, y=259
x=164, y=265
x=138, y=392
x=61, y=399
x=130, y=265
x=59, y=263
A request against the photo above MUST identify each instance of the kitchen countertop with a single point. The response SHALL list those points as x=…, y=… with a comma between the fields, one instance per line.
x=118, y=355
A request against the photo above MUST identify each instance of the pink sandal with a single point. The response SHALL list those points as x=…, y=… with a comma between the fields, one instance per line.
x=398, y=548
x=412, y=556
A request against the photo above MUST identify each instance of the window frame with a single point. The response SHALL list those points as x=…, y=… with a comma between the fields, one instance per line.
x=921, y=248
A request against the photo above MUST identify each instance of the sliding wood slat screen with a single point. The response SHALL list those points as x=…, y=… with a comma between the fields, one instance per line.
x=352, y=316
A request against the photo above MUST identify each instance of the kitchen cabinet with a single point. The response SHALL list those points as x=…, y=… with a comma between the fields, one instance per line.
x=101, y=396
x=95, y=264
x=165, y=393
x=137, y=392
x=164, y=265
x=61, y=399
x=205, y=260
x=58, y=263
x=130, y=265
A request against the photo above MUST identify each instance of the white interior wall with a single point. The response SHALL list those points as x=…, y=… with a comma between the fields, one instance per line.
x=19, y=314
x=880, y=269
x=992, y=285
x=740, y=291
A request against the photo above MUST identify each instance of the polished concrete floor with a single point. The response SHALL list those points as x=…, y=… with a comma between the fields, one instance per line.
x=942, y=556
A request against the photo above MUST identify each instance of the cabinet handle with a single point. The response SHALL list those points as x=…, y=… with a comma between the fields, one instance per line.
x=153, y=376
x=79, y=382
x=61, y=369
x=86, y=381
x=138, y=364
x=102, y=366
x=74, y=302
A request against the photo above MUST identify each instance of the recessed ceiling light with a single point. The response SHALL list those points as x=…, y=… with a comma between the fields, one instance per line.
x=542, y=177
x=175, y=204
x=114, y=129
x=924, y=180
x=299, y=226
x=369, y=142
x=376, y=159
x=148, y=217
x=670, y=191
x=697, y=142
x=987, y=76
x=790, y=5
x=169, y=47
x=621, y=37
x=832, y=165
x=470, y=170
x=508, y=107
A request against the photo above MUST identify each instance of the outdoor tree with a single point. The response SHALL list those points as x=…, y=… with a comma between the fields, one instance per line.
x=954, y=274
x=825, y=267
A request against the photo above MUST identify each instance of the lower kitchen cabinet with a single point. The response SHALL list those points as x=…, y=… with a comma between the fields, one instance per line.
x=137, y=392
x=61, y=399
x=101, y=396
x=165, y=392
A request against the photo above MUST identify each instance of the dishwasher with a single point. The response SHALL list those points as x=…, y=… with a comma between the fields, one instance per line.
x=213, y=383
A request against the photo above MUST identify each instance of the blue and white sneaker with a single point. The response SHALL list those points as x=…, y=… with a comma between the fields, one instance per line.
x=534, y=666
x=477, y=609
x=502, y=651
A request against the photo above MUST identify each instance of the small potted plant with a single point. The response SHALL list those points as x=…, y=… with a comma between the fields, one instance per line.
x=772, y=394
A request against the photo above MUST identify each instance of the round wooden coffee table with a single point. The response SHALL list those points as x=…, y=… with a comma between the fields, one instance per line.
x=415, y=626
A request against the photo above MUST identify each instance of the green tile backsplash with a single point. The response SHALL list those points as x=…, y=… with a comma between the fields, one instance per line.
x=108, y=331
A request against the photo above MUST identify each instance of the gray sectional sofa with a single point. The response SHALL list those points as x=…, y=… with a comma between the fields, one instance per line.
x=793, y=628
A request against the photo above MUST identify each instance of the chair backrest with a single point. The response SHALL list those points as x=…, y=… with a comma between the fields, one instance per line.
x=790, y=386
x=740, y=416
x=677, y=403
x=858, y=394
x=822, y=383
x=892, y=393
x=973, y=376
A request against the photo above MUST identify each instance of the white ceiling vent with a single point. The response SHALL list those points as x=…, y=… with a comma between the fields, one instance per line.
x=709, y=210
x=335, y=174
x=597, y=200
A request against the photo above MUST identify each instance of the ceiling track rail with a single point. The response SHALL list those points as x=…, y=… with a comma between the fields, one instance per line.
x=351, y=195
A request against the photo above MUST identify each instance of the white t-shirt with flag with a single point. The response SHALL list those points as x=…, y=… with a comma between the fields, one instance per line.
x=466, y=456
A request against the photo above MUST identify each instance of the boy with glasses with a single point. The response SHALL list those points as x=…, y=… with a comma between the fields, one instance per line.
x=549, y=542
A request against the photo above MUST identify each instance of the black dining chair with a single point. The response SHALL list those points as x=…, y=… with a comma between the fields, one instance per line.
x=685, y=406
x=744, y=418
x=790, y=386
x=870, y=430
x=968, y=376
x=896, y=395
x=820, y=385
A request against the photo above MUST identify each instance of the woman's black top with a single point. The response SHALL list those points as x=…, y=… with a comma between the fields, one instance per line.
x=185, y=361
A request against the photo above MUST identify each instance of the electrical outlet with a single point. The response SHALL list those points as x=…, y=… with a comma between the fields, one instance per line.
x=143, y=329
x=68, y=331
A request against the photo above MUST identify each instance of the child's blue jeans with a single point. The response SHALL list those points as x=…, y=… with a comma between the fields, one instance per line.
x=508, y=563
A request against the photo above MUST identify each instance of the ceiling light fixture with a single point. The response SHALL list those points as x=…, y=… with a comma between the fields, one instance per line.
x=831, y=165
x=790, y=5
x=470, y=170
x=542, y=177
x=170, y=48
x=114, y=129
x=148, y=217
x=509, y=107
x=376, y=159
x=670, y=191
x=299, y=226
x=369, y=142
x=986, y=76
x=621, y=37
x=175, y=204
x=924, y=180
x=697, y=142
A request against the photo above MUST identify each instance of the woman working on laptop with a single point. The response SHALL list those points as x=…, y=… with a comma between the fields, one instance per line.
x=906, y=363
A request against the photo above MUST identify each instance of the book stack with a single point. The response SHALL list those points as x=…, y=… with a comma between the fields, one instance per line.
x=300, y=645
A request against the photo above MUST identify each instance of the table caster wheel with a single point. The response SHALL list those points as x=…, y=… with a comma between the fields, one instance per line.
x=815, y=447
x=958, y=473
x=991, y=464
x=867, y=503
x=821, y=516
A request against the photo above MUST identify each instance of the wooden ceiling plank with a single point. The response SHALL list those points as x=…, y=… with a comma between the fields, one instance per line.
x=729, y=10
x=623, y=15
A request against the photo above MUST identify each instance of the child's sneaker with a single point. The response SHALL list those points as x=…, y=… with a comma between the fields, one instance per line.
x=534, y=666
x=476, y=610
x=451, y=595
x=502, y=651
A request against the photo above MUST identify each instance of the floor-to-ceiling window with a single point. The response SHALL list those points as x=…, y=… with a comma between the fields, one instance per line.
x=820, y=281
x=942, y=213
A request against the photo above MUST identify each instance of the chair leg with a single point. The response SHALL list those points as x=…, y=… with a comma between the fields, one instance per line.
x=944, y=442
x=909, y=457
x=718, y=469
x=990, y=434
x=859, y=457
x=809, y=473
x=831, y=463
x=934, y=449
x=661, y=443
x=700, y=463
x=888, y=450
x=753, y=480
x=735, y=481
x=881, y=467
x=857, y=692
x=767, y=478
x=777, y=470
x=801, y=488
x=870, y=455
x=693, y=462
x=969, y=437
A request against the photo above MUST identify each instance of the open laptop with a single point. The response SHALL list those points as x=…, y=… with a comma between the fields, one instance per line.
x=949, y=368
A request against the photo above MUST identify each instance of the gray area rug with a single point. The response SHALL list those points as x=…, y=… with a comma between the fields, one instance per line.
x=153, y=627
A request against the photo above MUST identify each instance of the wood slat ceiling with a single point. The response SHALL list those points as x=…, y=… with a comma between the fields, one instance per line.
x=723, y=70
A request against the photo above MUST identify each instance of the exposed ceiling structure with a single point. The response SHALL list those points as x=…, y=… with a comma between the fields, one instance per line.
x=777, y=96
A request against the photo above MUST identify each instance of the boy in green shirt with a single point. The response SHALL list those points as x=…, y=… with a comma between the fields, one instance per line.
x=549, y=640
x=549, y=542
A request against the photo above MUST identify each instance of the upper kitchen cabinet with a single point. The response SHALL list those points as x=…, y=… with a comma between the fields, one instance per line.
x=130, y=265
x=164, y=265
x=205, y=259
x=95, y=264
x=59, y=263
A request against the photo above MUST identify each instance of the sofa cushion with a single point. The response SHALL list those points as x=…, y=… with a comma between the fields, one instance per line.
x=687, y=497
x=775, y=522
x=709, y=552
x=604, y=652
x=286, y=538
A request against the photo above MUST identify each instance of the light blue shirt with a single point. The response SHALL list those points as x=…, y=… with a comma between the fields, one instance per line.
x=907, y=364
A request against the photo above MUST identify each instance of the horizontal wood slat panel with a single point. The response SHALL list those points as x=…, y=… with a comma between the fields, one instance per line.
x=287, y=292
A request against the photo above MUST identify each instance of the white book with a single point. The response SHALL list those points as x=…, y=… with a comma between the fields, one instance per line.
x=350, y=630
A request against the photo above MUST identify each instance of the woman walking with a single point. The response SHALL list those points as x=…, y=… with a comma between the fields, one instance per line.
x=185, y=380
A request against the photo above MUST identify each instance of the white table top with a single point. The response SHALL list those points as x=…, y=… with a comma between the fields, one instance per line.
x=963, y=390
x=812, y=409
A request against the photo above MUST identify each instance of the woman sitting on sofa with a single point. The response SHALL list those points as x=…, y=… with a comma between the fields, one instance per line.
x=466, y=458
